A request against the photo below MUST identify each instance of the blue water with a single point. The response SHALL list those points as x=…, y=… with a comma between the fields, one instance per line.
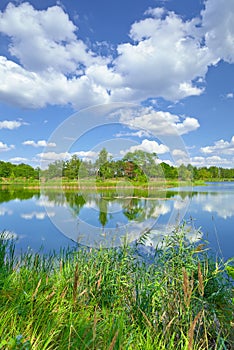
x=52, y=221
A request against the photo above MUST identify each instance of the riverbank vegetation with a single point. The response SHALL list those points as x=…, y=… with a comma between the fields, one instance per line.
x=180, y=298
x=138, y=168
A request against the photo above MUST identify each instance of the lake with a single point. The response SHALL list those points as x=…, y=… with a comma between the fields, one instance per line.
x=49, y=220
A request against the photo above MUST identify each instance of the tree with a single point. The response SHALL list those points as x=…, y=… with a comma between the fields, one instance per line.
x=6, y=169
x=71, y=167
x=104, y=166
x=54, y=170
x=170, y=172
x=140, y=164
x=24, y=170
x=184, y=173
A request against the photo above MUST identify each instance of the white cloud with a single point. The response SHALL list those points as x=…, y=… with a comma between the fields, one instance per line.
x=51, y=41
x=4, y=147
x=220, y=147
x=167, y=57
x=222, y=205
x=37, y=215
x=36, y=90
x=212, y=161
x=159, y=122
x=53, y=156
x=10, y=124
x=40, y=143
x=155, y=12
x=87, y=154
x=230, y=95
x=179, y=152
x=139, y=133
x=218, y=25
x=18, y=160
x=148, y=146
x=5, y=211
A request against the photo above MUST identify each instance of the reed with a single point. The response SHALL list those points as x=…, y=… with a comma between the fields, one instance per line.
x=112, y=299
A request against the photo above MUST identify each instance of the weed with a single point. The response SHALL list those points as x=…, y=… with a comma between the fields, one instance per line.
x=111, y=299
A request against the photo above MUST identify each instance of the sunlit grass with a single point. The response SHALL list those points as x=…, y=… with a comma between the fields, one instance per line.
x=111, y=299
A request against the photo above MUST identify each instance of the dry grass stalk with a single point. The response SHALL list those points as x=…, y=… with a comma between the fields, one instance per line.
x=99, y=282
x=111, y=347
x=200, y=280
x=187, y=288
x=191, y=331
x=48, y=297
x=63, y=293
x=146, y=318
x=36, y=290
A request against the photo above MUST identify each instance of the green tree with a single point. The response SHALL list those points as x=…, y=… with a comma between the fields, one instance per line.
x=6, y=169
x=141, y=164
x=104, y=166
x=170, y=172
x=184, y=173
x=25, y=171
x=55, y=170
x=71, y=167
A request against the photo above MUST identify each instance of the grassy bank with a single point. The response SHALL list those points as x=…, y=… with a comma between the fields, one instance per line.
x=109, y=299
x=96, y=183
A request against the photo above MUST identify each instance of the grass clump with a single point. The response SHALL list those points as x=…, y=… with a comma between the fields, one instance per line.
x=111, y=299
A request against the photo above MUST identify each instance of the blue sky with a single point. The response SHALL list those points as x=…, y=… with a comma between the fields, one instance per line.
x=172, y=59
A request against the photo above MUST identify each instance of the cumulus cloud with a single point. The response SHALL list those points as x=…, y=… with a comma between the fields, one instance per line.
x=165, y=59
x=37, y=215
x=220, y=147
x=87, y=154
x=148, y=146
x=50, y=42
x=5, y=211
x=218, y=27
x=230, y=95
x=40, y=143
x=10, y=124
x=212, y=161
x=166, y=56
x=159, y=122
x=4, y=147
x=139, y=133
x=223, y=205
x=18, y=160
x=53, y=156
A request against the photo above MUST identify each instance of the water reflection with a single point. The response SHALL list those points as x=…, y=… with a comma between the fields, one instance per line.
x=108, y=218
x=223, y=205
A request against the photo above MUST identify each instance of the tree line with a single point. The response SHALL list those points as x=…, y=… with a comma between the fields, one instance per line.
x=137, y=166
x=12, y=171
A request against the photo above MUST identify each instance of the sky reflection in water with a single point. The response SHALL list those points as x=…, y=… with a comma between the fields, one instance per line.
x=53, y=220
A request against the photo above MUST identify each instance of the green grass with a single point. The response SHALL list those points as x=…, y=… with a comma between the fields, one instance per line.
x=124, y=183
x=109, y=299
x=99, y=183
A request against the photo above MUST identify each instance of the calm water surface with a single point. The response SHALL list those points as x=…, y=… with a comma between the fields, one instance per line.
x=51, y=220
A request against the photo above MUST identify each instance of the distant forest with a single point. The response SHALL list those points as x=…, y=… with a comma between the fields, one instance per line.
x=12, y=171
x=138, y=165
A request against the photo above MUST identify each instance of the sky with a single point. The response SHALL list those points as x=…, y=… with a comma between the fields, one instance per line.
x=77, y=76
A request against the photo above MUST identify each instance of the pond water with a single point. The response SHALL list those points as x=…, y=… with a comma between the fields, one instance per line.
x=50, y=220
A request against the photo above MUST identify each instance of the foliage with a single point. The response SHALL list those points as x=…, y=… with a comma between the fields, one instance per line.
x=138, y=166
x=9, y=170
x=113, y=299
